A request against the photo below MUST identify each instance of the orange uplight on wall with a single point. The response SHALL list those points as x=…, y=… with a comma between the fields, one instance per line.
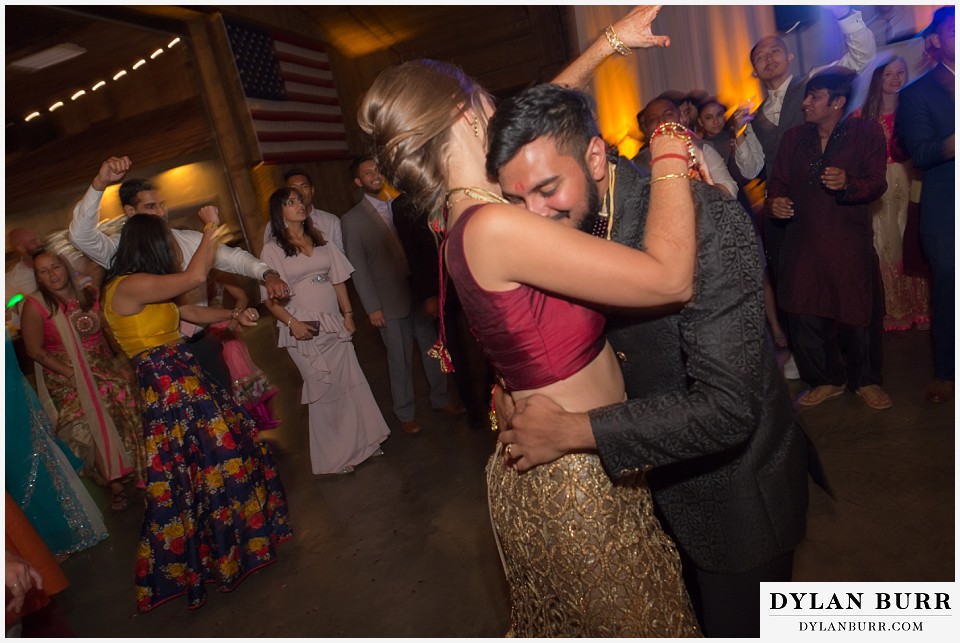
x=709, y=50
x=357, y=40
x=618, y=101
x=191, y=183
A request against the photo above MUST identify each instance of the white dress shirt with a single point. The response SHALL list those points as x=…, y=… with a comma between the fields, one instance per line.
x=92, y=241
x=718, y=169
x=384, y=210
x=774, y=103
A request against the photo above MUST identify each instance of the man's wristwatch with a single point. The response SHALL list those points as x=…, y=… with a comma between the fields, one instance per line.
x=269, y=271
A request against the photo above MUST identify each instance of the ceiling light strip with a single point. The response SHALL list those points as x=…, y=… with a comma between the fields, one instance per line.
x=101, y=83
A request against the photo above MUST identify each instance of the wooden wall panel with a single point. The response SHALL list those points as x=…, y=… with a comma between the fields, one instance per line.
x=178, y=113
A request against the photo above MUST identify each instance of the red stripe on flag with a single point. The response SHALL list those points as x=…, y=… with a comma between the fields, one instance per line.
x=298, y=41
x=306, y=80
x=302, y=60
x=290, y=115
x=310, y=98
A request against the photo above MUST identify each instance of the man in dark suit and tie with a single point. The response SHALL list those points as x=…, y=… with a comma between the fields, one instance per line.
x=708, y=413
x=925, y=127
x=382, y=279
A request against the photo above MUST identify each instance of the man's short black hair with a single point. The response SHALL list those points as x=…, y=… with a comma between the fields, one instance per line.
x=355, y=165
x=130, y=188
x=694, y=97
x=675, y=96
x=666, y=97
x=939, y=17
x=710, y=100
x=838, y=81
x=565, y=115
x=295, y=171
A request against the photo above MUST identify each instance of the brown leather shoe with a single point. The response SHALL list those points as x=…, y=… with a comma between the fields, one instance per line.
x=875, y=397
x=940, y=391
x=410, y=428
x=453, y=409
x=819, y=394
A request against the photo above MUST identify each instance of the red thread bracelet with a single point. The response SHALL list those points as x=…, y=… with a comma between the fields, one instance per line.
x=670, y=155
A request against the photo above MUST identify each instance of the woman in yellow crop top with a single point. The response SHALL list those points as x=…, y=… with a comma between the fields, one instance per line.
x=215, y=507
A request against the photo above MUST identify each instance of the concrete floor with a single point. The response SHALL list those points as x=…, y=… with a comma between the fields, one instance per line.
x=403, y=547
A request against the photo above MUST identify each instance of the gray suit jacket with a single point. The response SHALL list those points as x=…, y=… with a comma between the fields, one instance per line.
x=708, y=411
x=381, y=275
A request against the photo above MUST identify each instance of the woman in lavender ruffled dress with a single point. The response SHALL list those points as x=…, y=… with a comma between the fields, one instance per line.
x=316, y=325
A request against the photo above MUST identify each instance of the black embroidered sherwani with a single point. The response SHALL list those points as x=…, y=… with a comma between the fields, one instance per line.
x=708, y=412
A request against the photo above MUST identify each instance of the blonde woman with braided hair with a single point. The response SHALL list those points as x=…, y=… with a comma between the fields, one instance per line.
x=583, y=557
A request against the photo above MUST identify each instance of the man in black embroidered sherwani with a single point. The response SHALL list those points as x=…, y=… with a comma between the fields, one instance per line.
x=708, y=413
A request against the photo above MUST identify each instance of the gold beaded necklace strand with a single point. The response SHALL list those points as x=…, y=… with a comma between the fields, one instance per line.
x=474, y=193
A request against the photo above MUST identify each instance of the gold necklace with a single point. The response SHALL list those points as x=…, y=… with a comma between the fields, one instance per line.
x=604, y=224
x=474, y=193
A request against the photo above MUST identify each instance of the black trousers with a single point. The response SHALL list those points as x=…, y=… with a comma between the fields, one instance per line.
x=728, y=605
x=209, y=353
x=828, y=352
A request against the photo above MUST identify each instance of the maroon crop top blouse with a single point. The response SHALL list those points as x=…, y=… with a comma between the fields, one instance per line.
x=532, y=338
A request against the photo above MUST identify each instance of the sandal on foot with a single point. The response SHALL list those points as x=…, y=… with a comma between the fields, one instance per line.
x=819, y=394
x=875, y=397
x=118, y=502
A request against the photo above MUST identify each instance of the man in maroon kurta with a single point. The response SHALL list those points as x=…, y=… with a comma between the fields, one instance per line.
x=826, y=173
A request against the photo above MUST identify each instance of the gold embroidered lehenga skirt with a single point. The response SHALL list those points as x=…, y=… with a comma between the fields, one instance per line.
x=583, y=556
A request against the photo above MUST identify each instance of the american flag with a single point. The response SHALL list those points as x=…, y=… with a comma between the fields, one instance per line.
x=289, y=89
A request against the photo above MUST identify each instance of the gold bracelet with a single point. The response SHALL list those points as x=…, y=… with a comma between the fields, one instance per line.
x=615, y=42
x=669, y=176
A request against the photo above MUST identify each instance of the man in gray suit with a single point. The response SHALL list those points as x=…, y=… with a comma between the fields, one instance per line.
x=381, y=277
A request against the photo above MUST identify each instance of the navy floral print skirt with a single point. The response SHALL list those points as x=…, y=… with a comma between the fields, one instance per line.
x=215, y=507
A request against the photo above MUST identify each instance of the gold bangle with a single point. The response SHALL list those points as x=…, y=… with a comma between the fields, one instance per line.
x=669, y=176
x=615, y=42
x=210, y=226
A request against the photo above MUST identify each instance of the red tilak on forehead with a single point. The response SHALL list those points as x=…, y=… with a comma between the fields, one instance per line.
x=518, y=188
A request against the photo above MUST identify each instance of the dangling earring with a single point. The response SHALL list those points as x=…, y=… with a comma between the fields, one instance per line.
x=476, y=127
x=285, y=225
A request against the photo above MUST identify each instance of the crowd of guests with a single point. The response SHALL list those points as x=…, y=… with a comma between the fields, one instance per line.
x=688, y=411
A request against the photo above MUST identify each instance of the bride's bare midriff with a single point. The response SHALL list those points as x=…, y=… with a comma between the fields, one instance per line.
x=597, y=384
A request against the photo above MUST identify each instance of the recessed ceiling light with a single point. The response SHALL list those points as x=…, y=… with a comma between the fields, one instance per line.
x=48, y=57
x=32, y=116
x=56, y=106
x=98, y=85
x=156, y=53
x=120, y=74
x=78, y=95
x=140, y=63
x=172, y=42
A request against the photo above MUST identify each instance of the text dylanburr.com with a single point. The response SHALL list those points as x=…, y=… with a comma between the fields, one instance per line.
x=802, y=611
